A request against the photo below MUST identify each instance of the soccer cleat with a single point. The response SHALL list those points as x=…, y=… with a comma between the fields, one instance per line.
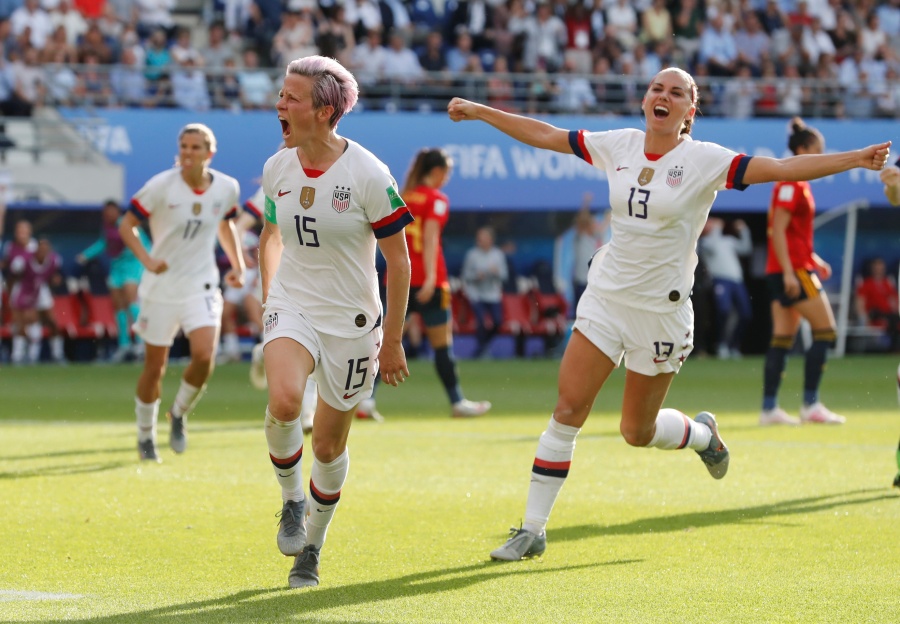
x=305, y=572
x=716, y=454
x=292, y=527
x=897, y=480
x=520, y=545
x=366, y=411
x=469, y=409
x=777, y=416
x=177, y=432
x=819, y=414
x=147, y=451
x=258, y=368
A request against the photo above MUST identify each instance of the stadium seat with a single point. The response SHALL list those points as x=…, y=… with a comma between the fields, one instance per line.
x=551, y=313
x=5, y=316
x=463, y=317
x=518, y=315
x=101, y=315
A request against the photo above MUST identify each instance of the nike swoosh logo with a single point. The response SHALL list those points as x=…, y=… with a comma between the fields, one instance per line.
x=288, y=474
x=282, y=193
x=321, y=510
x=660, y=361
x=620, y=168
x=350, y=396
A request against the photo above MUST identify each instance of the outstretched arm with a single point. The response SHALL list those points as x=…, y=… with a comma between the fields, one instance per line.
x=523, y=129
x=762, y=169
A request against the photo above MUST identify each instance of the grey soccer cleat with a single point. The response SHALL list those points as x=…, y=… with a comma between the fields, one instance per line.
x=305, y=572
x=716, y=454
x=292, y=528
x=897, y=480
x=177, y=433
x=520, y=545
x=147, y=451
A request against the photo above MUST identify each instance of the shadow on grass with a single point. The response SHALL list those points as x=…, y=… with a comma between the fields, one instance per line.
x=278, y=605
x=64, y=471
x=740, y=515
x=70, y=453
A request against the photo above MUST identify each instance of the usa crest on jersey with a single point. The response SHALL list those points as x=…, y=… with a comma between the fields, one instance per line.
x=340, y=200
x=674, y=176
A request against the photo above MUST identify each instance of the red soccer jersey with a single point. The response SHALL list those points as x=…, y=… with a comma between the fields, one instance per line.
x=796, y=198
x=424, y=204
x=879, y=295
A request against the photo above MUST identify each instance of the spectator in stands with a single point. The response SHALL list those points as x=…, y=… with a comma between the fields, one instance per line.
x=61, y=80
x=263, y=22
x=817, y=42
x=501, y=92
x=334, y=36
x=622, y=23
x=189, y=88
x=572, y=92
x=722, y=253
x=368, y=59
x=125, y=272
x=153, y=15
x=739, y=94
x=29, y=78
x=70, y=19
x=871, y=37
x=400, y=63
x=182, y=48
x=295, y=39
x=93, y=43
x=717, y=48
x=157, y=60
x=688, y=19
x=30, y=16
x=58, y=48
x=476, y=17
x=257, y=88
x=545, y=41
x=458, y=55
x=433, y=56
x=93, y=88
x=187, y=208
x=483, y=273
x=752, y=42
x=877, y=301
x=656, y=23
x=128, y=83
x=218, y=48
x=226, y=91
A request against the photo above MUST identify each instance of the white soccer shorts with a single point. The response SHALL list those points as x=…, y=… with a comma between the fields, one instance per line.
x=651, y=342
x=158, y=322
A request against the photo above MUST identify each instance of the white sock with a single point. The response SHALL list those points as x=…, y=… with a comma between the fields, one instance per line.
x=35, y=333
x=285, y=440
x=230, y=345
x=186, y=399
x=56, y=348
x=674, y=430
x=19, y=345
x=146, y=419
x=555, y=450
x=325, y=483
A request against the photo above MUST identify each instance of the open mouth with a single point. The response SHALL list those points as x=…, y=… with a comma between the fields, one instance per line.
x=285, y=128
x=660, y=112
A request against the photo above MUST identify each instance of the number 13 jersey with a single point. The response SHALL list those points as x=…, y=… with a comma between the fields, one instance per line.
x=659, y=206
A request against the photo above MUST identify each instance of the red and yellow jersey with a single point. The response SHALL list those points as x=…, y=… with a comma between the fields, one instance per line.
x=796, y=198
x=425, y=204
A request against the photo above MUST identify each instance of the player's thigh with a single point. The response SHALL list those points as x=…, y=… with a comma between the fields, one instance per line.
x=817, y=311
x=785, y=319
x=288, y=365
x=583, y=371
x=203, y=341
x=347, y=368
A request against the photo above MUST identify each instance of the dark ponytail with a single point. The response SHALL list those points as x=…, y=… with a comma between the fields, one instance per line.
x=802, y=135
x=426, y=159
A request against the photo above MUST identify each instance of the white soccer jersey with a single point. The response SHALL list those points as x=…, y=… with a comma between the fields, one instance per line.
x=256, y=204
x=658, y=209
x=329, y=225
x=184, y=226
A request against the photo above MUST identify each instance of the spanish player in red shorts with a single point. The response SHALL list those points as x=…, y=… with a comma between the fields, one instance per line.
x=796, y=292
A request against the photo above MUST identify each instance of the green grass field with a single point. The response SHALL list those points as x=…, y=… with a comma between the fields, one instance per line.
x=804, y=528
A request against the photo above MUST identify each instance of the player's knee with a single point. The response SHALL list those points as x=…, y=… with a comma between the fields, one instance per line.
x=284, y=405
x=635, y=435
x=326, y=450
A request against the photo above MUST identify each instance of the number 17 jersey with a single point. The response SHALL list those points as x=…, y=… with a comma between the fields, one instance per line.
x=658, y=206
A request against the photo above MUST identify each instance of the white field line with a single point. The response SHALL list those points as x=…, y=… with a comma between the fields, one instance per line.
x=15, y=595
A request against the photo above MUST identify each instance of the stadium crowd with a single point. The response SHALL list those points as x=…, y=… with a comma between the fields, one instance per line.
x=751, y=57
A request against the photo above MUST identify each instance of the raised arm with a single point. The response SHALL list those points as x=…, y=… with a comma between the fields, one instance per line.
x=523, y=129
x=762, y=169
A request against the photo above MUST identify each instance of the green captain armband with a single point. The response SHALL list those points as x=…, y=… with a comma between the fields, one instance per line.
x=269, y=211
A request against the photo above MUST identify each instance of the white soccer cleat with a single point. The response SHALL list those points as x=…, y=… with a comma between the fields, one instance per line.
x=258, y=368
x=469, y=409
x=777, y=416
x=819, y=414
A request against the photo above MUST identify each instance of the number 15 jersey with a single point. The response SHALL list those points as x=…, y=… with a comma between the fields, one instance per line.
x=659, y=206
x=329, y=224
